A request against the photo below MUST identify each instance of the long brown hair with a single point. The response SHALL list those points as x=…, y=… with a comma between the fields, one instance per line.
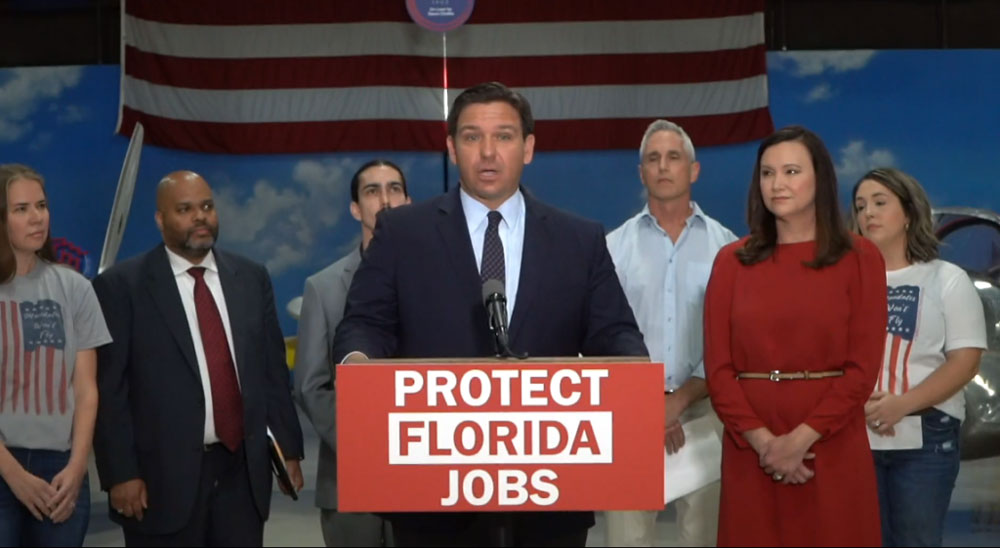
x=832, y=238
x=921, y=242
x=8, y=263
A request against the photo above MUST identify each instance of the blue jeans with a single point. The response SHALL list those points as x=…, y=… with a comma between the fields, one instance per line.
x=915, y=485
x=19, y=528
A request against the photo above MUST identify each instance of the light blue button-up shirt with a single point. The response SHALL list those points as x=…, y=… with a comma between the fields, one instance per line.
x=665, y=284
x=511, y=231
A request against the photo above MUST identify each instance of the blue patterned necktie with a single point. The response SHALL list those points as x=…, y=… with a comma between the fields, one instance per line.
x=492, y=266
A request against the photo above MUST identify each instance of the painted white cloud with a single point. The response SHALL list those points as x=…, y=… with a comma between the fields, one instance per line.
x=812, y=63
x=68, y=114
x=11, y=130
x=855, y=160
x=279, y=223
x=286, y=256
x=41, y=141
x=24, y=90
x=822, y=92
x=71, y=114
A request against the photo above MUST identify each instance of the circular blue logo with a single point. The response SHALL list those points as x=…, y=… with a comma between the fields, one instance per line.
x=440, y=15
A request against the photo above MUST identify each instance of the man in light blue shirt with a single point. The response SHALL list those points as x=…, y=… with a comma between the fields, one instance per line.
x=663, y=257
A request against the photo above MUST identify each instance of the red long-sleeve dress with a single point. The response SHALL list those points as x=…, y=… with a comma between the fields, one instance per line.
x=781, y=315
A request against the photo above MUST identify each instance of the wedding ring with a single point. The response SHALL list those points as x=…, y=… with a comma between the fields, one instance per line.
x=876, y=424
x=777, y=477
x=120, y=510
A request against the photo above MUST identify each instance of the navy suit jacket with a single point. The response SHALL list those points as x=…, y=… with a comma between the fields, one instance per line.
x=418, y=294
x=151, y=410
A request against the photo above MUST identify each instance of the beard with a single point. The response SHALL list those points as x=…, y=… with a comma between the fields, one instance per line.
x=203, y=245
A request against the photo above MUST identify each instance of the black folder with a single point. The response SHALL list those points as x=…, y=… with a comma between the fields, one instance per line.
x=278, y=466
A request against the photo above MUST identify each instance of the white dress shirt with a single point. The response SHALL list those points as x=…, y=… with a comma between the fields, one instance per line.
x=665, y=284
x=185, y=286
x=511, y=231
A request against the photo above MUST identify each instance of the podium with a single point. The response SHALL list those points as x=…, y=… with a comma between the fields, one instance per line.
x=542, y=434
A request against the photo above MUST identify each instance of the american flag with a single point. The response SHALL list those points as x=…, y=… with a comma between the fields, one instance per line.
x=904, y=303
x=259, y=76
x=34, y=342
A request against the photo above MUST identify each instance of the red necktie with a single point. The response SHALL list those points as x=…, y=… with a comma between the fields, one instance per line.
x=227, y=404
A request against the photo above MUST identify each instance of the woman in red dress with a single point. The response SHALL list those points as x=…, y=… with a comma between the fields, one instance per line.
x=795, y=318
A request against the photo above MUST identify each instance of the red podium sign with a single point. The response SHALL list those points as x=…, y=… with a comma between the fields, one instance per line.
x=500, y=435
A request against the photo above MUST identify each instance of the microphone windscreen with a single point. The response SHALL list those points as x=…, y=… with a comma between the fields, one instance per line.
x=492, y=286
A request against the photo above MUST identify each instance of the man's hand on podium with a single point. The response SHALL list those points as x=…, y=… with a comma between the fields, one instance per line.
x=355, y=357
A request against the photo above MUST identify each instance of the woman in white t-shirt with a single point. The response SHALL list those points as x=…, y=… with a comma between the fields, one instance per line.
x=934, y=341
x=50, y=324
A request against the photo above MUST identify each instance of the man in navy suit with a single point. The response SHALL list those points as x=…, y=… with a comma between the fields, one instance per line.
x=195, y=376
x=418, y=292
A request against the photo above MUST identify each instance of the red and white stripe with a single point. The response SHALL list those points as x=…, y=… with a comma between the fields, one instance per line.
x=895, y=375
x=33, y=382
x=256, y=76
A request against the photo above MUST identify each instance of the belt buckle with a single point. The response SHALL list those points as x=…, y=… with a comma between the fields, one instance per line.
x=774, y=376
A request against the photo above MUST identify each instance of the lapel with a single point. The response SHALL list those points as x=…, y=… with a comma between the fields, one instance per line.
x=163, y=288
x=350, y=267
x=536, y=251
x=236, y=305
x=454, y=232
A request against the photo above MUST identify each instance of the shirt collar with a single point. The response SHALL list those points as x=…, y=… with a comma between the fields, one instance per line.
x=179, y=265
x=696, y=214
x=476, y=212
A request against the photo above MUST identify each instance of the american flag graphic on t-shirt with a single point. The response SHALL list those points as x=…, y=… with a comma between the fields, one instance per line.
x=904, y=304
x=33, y=377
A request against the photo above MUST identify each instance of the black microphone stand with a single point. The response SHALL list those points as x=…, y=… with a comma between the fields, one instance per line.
x=496, y=306
x=498, y=325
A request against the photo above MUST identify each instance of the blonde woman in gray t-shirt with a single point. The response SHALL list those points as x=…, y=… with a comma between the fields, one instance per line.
x=50, y=325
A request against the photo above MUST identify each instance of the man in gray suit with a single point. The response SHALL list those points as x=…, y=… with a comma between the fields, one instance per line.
x=377, y=185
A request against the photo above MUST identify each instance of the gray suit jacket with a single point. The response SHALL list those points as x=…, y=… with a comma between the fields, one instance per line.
x=322, y=309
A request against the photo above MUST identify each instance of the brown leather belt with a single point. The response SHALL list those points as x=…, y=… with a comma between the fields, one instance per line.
x=791, y=375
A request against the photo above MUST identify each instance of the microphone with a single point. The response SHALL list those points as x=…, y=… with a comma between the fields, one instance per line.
x=495, y=301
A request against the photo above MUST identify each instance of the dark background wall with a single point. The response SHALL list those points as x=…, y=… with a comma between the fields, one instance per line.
x=882, y=24
x=85, y=32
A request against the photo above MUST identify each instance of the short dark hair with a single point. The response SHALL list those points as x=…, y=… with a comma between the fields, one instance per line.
x=356, y=179
x=832, y=238
x=8, y=262
x=921, y=242
x=490, y=92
